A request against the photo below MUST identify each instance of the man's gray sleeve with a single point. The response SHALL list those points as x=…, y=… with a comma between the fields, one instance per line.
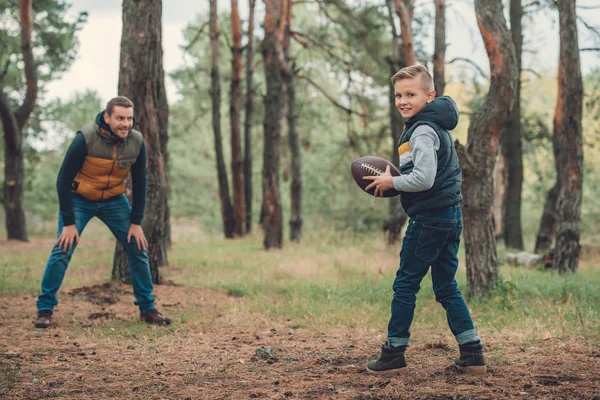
x=424, y=144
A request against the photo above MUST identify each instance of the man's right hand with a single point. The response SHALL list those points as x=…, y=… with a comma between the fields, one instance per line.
x=68, y=238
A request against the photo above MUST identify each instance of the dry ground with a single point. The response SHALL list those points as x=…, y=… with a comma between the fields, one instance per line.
x=216, y=350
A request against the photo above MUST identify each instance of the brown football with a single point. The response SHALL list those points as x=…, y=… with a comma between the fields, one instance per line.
x=372, y=166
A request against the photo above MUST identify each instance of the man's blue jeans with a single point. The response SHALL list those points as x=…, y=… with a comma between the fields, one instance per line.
x=431, y=239
x=116, y=214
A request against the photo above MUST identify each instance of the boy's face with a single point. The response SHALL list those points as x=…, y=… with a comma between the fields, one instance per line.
x=411, y=96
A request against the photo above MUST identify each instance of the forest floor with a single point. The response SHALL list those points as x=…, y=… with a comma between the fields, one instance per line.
x=221, y=346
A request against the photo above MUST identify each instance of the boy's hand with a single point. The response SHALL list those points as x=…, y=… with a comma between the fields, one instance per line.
x=68, y=238
x=138, y=234
x=381, y=183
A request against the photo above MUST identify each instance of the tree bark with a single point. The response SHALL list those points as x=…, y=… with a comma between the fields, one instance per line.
x=163, y=128
x=439, y=53
x=237, y=162
x=226, y=208
x=511, y=145
x=248, y=117
x=271, y=49
x=499, y=193
x=13, y=123
x=406, y=12
x=479, y=156
x=398, y=217
x=568, y=129
x=289, y=81
x=140, y=80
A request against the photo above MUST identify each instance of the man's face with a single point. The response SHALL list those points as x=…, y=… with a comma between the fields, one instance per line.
x=120, y=121
x=411, y=96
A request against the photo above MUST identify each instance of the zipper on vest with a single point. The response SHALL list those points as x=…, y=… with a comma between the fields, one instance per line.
x=112, y=168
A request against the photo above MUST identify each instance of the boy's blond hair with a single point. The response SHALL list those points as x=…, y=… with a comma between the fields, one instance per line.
x=414, y=71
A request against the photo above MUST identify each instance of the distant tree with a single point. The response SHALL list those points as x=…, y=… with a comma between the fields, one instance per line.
x=41, y=29
x=249, y=107
x=568, y=142
x=439, y=53
x=226, y=208
x=271, y=48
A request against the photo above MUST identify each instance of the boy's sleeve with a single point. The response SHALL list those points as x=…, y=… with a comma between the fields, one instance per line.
x=139, y=183
x=71, y=165
x=424, y=144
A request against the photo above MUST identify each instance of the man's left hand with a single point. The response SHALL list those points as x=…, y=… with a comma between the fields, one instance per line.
x=381, y=183
x=137, y=233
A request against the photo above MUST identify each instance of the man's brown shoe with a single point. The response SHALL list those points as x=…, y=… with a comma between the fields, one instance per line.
x=44, y=319
x=153, y=317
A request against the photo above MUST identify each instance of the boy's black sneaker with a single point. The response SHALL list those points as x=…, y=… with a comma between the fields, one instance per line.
x=471, y=359
x=390, y=362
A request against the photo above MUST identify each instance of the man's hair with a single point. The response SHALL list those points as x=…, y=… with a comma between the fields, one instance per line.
x=119, y=101
x=414, y=71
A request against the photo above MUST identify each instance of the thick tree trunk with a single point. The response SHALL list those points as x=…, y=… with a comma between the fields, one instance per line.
x=479, y=156
x=248, y=118
x=547, y=230
x=289, y=81
x=567, y=128
x=439, y=53
x=272, y=223
x=226, y=208
x=140, y=80
x=406, y=12
x=237, y=162
x=397, y=218
x=12, y=125
x=511, y=145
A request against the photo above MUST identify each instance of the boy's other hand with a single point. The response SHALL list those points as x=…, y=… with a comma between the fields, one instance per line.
x=137, y=233
x=381, y=183
x=68, y=238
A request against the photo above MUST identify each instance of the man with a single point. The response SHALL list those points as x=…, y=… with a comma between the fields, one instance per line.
x=90, y=184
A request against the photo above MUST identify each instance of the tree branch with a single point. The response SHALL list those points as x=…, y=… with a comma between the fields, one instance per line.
x=9, y=123
x=590, y=49
x=473, y=63
x=591, y=28
x=199, y=32
x=329, y=97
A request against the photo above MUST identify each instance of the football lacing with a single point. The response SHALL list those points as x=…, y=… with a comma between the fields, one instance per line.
x=371, y=169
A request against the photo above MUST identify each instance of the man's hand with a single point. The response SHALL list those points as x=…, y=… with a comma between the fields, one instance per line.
x=137, y=233
x=381, y=183
x=68, y=238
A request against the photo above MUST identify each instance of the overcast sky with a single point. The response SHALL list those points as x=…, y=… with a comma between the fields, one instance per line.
x=96, y=66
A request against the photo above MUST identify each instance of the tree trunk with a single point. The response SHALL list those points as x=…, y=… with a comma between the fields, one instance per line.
x=140, y=80
x=13, y=123
x=272, y=223
x=511, y=145
x=289, y=81
x=567, y=128
x=499, y=193
x=547, y=230
x=226, y=208
x=163, y=128
x=406, y=12
x=237, y=162
x=479, y=156
x=397, y=218
x=248, y=118
x=439, y=53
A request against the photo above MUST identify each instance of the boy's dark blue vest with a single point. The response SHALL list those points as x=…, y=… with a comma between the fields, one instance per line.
x=446, y=189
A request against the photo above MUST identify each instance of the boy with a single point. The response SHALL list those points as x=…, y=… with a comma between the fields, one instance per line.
x=430, y=186
x=90, y=184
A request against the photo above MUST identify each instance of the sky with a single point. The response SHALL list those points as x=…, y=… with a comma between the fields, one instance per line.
x=96, y=66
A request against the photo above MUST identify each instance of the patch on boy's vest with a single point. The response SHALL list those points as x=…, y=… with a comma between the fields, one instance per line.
x=404, y=153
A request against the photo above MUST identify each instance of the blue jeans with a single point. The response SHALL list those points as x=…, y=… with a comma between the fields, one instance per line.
x=116, y=214
x=431, y=239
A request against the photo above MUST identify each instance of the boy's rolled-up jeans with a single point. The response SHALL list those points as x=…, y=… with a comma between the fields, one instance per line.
x=432, y=239
x=116, y=214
